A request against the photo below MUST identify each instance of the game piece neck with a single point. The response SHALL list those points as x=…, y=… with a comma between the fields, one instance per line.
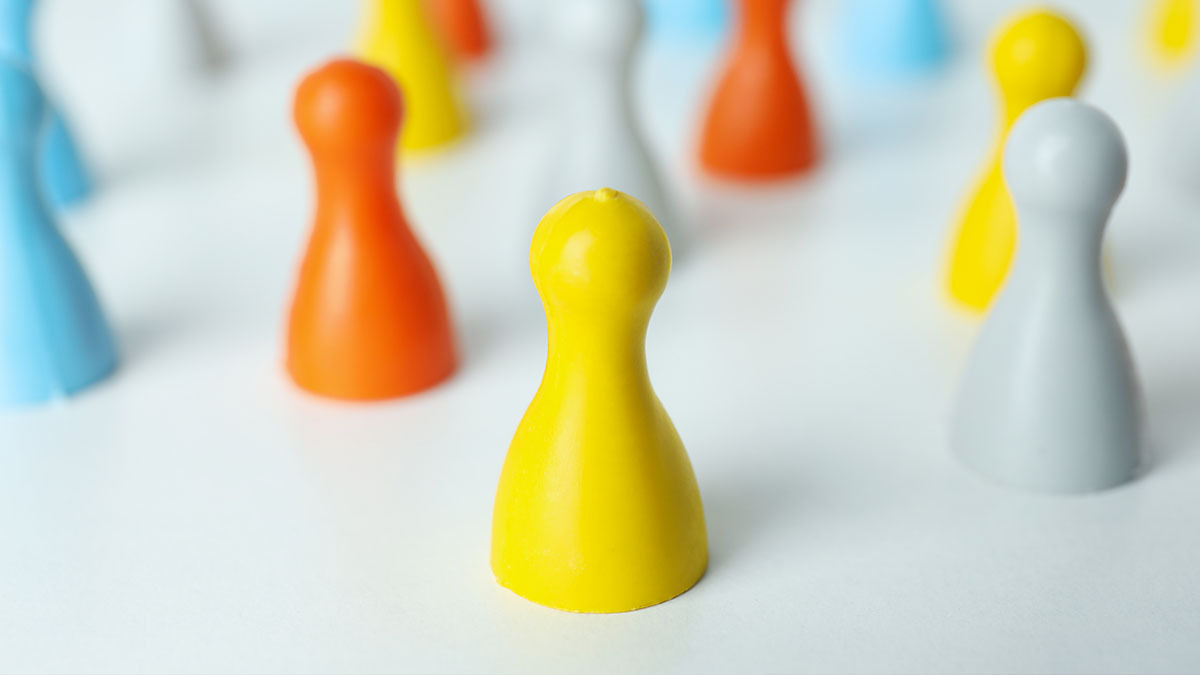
x=763, y=23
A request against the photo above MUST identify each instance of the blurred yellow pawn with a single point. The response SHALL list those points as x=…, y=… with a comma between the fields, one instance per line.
x=598, y=509
x=1173, y=31
x=1039, y=55
x=398, y=37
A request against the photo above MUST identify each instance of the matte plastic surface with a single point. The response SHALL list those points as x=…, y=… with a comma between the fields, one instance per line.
x=759, y=124
x=397, y=36
x=54, y=339
x=64, y=175
x=890, y=39
x=369, y=320
x=463, y=24
x=601, y=142
x=598, y=508
x=1050, y=400
x=1039, y=55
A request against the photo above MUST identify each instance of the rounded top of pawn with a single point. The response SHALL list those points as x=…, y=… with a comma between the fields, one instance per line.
x=1039, y=55
x=347, y=106
x=600, y=253
x=22, y=106
x=606, y=28
x=1068, y=157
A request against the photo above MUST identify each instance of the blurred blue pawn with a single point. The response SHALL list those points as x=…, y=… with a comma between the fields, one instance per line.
x=54, y=339
x=891, y=39
x=688, y=19
x=64, y=176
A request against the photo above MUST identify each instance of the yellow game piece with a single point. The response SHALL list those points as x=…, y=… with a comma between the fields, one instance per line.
x=1173, y=30
x=1038, y=56
x=398, y=37
x=598, y=509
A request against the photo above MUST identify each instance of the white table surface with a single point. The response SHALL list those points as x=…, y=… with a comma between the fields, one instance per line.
x=199, y=514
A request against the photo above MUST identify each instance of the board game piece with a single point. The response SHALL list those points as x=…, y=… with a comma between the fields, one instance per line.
x=759, y=124
x=1037, y=56
x=688, y=19
x=463, y=26
x=1173, y=28
x=598, y=509
x=597, y=40
x=369, y=320
x=54, y=339
x=889, y=39
x=1050, y=400
x=64, y=176
x=398, y=37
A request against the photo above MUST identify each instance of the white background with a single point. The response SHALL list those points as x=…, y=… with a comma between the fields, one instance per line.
x=197, y=513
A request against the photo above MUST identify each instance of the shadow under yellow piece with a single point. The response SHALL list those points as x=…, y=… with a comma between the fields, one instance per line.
x=598, y=509
x=1039, y=55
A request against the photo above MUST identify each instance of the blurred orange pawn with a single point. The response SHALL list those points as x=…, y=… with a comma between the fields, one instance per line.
x=759, y=124
x=463, y=27
x=369, y=320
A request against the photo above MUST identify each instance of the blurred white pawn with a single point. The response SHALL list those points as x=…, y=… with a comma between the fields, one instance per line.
x=595, y=42
x=1050, y=400
x=170, y=42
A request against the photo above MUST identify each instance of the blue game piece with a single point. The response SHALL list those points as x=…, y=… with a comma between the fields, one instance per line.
x=64, y=175
x=887, y=39
x=688, y=19
x=54, y=339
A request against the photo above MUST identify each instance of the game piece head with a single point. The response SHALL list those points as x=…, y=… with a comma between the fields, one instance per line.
x=22, y=106
x=601, y=28
x=1066, y=157
x=347, y=107
x=600, y=253
x=1039, y=55
x=15, y=28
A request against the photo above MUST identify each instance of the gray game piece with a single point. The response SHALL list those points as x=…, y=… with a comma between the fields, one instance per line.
x=1050, y=400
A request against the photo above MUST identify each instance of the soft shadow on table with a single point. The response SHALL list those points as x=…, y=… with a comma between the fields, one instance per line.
x=751, y=505
x=1173, y=417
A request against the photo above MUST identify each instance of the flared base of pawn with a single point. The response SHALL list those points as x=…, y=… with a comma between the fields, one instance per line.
x=757, y=170
x=64, y=177
x=28, y=394
x=581, y=598
x=1032, y=471
x=371, y=387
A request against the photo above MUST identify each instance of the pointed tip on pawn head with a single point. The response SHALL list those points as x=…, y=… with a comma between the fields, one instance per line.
x=601, y=253
x=348, y=106
x=22, y=106
x=1064, y=156
x=1039, y=55
x=600, y=27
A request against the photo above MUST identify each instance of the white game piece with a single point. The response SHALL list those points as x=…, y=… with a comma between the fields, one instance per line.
x=172, y=40
x=596, y=42
x=1050, y=400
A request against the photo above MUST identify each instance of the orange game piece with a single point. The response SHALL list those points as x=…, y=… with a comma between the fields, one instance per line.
x=759, y=125
x=463, y=26
x=369, y=320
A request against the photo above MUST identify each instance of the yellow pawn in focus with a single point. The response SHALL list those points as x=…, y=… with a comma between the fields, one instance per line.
x=598, y=509
x=1173, y=30
x=398, y=37
x=1038, y=56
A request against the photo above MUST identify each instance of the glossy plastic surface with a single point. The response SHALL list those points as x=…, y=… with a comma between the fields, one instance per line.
x=759, y=124
x=598, y=509
x=369, y=320
x=54, y=339
x=1050, y=400
x=1173, y=31
x=1037, y=56
x=397, y=35
x=688, y=19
